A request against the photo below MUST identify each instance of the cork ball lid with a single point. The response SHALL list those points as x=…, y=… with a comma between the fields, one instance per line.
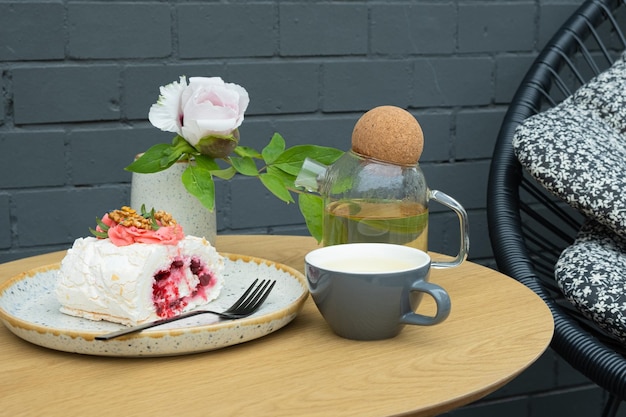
x=389, y=134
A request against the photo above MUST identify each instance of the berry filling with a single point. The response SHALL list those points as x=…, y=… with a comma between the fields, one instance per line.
x=187, y=279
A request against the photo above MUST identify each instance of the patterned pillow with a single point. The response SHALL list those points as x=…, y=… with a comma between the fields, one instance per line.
x=604, y=95
x=592, y=275
x=579, y=157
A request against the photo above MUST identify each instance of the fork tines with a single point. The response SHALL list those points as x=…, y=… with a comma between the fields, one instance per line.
x=253, y=297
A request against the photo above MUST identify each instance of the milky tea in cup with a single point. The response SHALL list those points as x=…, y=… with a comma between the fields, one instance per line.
x=369, y=291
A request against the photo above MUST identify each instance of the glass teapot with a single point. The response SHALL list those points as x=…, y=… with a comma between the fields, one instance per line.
x=368, y=200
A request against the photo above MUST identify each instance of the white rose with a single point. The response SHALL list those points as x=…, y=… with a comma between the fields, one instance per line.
x=206, y=108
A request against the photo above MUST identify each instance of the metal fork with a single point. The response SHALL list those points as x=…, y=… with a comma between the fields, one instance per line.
x=246, y=305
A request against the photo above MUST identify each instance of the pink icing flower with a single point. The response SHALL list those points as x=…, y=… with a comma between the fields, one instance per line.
x=106, y=220
x=124, y=236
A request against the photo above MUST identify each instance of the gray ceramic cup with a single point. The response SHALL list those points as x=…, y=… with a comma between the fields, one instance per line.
x=370, y=291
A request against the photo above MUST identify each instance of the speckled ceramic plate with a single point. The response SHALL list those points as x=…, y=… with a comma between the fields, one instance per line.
x=30, y=310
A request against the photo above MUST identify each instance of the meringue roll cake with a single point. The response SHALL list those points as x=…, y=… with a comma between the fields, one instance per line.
x=138, y=267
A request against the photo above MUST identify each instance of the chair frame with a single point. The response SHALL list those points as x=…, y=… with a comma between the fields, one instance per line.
x=529, y=228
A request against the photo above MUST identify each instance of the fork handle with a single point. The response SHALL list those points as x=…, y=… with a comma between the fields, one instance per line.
x=155, y=323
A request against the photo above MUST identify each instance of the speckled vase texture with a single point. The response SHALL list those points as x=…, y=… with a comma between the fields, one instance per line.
x=165, y=191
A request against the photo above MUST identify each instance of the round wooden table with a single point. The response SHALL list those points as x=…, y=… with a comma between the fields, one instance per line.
x=496, y=329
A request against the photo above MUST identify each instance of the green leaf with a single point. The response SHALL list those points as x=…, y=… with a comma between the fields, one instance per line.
x=102, y=225
x=245, y=166
x=276, y=186
x=287, y=179
x=246, y=151
x=157, y=158
x=206, y=162
x=178, y=140
x=101, y=235
x=291, y=160
x=312, y=209
x=182, y=145
x=150, y=216
x=224, y=174
x=199, y=183
x=273, y=149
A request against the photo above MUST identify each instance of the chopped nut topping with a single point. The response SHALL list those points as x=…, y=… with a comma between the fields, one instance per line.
x=127, y=216
x=165, y=218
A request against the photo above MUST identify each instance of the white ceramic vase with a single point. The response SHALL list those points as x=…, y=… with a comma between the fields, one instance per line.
x=165, y=191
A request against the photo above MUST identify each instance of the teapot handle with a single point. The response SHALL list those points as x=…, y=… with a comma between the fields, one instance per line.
x=451, y=203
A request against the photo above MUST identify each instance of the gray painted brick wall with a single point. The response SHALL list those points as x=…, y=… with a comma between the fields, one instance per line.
x=78, y=78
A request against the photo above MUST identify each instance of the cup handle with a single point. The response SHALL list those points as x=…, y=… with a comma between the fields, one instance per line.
x=442, y=299
x=451, y=203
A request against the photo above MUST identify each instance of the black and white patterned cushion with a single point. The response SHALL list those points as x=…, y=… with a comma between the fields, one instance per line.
x=577, y=151
x=591, y=275
x=605, y=95
x=578, y=157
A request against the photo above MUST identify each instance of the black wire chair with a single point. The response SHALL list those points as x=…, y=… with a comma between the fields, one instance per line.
x=528, y=227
